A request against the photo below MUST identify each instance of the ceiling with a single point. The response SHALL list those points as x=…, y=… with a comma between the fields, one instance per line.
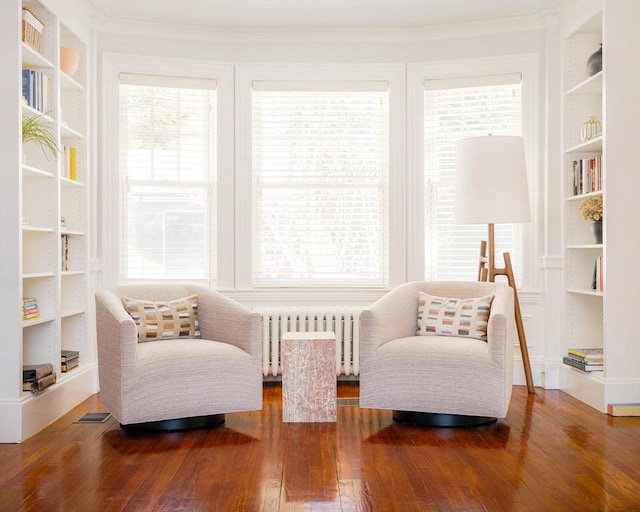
x=231, y=14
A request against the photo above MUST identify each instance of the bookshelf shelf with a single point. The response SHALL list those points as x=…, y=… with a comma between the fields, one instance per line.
x=37, y=275
x=67, y=131
x=591, y=146
x=29, y=171
x=32, y=58
x=72, y=273
x=71, y=232
x=584, y=246
x=38, y=321
x=579, y=291
x=580, y=197
x=66, y=313
x=67, y=182
x=36, y=229
x=591, y=85
x=68, y=83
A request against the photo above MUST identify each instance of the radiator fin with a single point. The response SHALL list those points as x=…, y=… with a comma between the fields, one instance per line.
x=343, y=321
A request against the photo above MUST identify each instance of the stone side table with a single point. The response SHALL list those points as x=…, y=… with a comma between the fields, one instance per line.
x=308, y=377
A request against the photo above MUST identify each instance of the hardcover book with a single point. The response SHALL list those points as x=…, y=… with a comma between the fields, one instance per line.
x=581, y=365
x=68, y=355
x=39, y=385
x=33, y=372
x=587, y=354
x=69, y=365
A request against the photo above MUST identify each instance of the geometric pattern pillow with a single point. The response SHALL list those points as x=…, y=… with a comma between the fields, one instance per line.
x=453, y=317
x=165, y=320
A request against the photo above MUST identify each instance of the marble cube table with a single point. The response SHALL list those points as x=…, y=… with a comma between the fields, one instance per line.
x=308, y=377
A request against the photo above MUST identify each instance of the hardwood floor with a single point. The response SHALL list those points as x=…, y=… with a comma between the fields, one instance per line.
x=551, y=453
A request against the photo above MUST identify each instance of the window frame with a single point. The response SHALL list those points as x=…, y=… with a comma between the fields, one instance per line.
x=112, y=66
x=246, y=74
x=417, y=73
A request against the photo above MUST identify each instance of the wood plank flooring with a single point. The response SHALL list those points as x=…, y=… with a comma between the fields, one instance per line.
x=550, y=453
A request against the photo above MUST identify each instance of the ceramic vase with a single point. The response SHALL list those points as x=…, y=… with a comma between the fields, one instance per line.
x=596, y=229
x=594, y=62
x=69, y=60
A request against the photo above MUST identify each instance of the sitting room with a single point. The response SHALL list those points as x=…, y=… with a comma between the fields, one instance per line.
x=338, y=255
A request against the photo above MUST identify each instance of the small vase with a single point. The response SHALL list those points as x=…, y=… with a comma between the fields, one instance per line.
x=594, y=62
x=596, y=229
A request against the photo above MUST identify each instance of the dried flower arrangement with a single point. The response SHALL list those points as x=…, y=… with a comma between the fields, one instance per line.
x=591, y=208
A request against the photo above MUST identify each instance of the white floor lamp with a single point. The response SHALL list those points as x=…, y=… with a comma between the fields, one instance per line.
x=491, y=188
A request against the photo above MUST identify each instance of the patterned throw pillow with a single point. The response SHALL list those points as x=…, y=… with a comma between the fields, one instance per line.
x=166, y=320
x=453, y=317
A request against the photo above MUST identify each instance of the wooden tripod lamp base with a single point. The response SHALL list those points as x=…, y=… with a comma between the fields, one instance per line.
x=487, y=271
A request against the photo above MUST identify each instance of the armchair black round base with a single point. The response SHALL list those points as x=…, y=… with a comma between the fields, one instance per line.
x=430, y=419
x=191, y=423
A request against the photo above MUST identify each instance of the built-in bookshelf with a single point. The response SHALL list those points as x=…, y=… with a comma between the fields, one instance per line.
x=49, y=201
x=598, y=274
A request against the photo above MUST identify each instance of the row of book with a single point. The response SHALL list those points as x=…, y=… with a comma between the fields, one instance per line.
x=597, y=282
x=38, y=377
x=64, y=247
x=69, y=169
x=587, y=175
x=36, y=89
x=585, y=359
x=30, y=308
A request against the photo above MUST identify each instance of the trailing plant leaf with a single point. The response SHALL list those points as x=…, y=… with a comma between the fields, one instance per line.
x=33, y=130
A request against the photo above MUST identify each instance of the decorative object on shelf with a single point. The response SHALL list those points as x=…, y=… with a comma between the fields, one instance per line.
x=33, y=130
x=491, y=187
x=591, y=209
x=594, y=62
x=69, y=60
x=31, y=29
x=596, y=229
x=591, y=129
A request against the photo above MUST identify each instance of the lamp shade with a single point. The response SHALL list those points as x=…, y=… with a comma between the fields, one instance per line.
x=491, y=181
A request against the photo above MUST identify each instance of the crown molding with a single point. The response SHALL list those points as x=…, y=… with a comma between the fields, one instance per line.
x=417, y=34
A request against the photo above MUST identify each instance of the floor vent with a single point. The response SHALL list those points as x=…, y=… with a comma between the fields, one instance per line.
x=94, y=417
x=348, y=402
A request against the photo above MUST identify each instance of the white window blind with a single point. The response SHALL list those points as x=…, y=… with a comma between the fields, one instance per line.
x=320, y=170
x=167, y=171
x=456, y=109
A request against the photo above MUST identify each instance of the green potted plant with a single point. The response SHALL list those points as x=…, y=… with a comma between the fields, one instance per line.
x=33, y=130
x=591, y=209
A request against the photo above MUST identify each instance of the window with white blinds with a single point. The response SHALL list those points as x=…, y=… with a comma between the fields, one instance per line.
x=167, y=171
x=456, y=109
x=320, y=172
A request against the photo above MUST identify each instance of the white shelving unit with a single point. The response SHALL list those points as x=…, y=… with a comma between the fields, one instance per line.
x=37, y=199
x=596, y=318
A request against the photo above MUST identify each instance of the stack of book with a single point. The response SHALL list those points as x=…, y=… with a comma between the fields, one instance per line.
x=30, y=308
x=37, y=377
x=69, y=359
x=585, y=359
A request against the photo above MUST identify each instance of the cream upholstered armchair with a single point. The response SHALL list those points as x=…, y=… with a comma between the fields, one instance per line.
x=178, y=379
x=450, y=377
